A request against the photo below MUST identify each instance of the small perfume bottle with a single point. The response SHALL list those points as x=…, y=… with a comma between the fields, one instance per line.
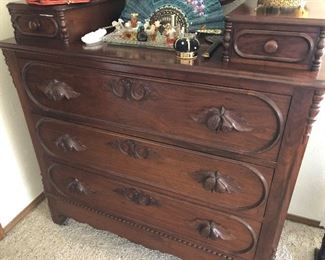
x=171, y=34
x=134, y=20
x=187, y=47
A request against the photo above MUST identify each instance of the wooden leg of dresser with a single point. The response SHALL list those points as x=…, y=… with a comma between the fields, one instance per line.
x=57, y=217
x=320, y=253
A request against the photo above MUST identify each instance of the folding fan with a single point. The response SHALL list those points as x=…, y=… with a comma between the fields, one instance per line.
x=192, y=14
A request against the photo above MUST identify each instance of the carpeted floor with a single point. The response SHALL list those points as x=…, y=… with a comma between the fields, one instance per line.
x=37, y=237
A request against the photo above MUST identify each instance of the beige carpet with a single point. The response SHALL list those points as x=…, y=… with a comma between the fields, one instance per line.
x=37, y=237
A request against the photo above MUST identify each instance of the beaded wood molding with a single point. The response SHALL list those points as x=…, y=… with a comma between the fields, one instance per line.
x=144, y=228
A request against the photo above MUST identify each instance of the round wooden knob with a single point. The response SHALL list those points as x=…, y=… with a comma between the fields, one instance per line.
x=34, y=25
x=271, y=46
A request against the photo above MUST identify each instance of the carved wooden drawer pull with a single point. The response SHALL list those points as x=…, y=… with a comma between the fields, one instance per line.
x=129, y=89
x=137, y=196
x=69, y=144
x=271, y=46
x=212, y=230
x=214, y=181
x=34, y=25
x=57, y=90
x=220, y=119
x=75, y=186
x=132, y=149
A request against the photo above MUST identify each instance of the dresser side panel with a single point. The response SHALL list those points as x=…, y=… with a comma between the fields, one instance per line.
x=291, y=154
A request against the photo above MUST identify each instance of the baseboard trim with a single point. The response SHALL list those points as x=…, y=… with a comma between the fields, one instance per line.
x=302, y=220
x=23, y=214
x=2, y=233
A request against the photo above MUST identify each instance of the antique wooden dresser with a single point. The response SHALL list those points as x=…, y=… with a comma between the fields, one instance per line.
x=198, y=161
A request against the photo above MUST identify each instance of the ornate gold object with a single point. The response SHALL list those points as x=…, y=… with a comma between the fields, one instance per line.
x=281, y=3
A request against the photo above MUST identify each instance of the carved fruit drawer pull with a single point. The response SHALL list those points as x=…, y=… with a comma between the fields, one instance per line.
x=57, y=90
x=214, y=181
x=132, y=149
x=137, y=196
x=69, y=144
x=220, y=119
x=211, y=230
x=129, y=89
x=75, y=186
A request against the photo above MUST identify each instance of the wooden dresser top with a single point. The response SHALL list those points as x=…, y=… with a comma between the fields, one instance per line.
x=163, y=60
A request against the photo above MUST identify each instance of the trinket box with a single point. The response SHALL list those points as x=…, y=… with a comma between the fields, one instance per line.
x=281, y=37
x=61, y=23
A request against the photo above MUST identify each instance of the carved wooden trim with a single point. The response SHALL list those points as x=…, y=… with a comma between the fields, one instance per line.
x=146, y=228
x=225, y=184
x=64, y=30
x=304, y=36
x=74, y=186
x=131, y=149
x=69, y=144
x=214, y=181
x=57, y=91
x=319, y=50
x=313, y=112
x=137, y=196
x=211, y=230
x=227, y=42
x=221, y=119
x=35, y=30
x=129, y=89
x=8, y=66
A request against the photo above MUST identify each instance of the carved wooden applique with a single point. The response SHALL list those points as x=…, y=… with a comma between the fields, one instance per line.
x=221, y=119
x=132, y=149
x=137, y=196
x=69, y=144
x=129, y=89
x=57, y=90
x=211, y=230
x=214, y=181
x=75, y=186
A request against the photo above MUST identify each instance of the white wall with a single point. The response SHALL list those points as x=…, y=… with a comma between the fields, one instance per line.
x=20, y=180
x=308, y=199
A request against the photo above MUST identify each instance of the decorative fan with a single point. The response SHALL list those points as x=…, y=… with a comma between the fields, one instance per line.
x=192, y=14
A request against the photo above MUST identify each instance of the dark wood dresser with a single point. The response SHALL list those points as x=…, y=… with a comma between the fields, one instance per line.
x=198, y=161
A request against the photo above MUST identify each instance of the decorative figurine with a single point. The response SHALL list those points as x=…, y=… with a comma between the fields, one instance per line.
x=142, y=35
x=170, y=34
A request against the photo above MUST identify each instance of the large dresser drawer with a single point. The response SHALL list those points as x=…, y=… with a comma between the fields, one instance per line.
x=208, y=230
x=209, y=180
x=207, y=117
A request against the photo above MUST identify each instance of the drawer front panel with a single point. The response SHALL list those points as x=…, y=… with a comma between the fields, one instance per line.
x=203, y=227
x=209, y=180
x=240, y=121
x=36, y=25
x=281, y=46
